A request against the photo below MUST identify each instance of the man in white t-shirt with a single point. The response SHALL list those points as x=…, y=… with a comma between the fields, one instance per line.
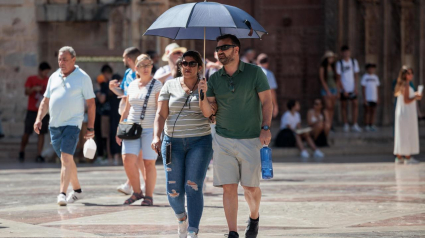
x=172, y=53
x=370, y=83
x=347, y=70
x=263, y=62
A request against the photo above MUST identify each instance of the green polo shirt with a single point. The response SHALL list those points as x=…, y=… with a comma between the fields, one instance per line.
x=239, y=114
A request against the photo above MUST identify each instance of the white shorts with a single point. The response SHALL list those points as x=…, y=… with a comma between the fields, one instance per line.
x=144, y=143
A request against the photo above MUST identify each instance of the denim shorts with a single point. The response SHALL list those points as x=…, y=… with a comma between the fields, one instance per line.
x=143, y=143
x=64, y=139
x=333, y=91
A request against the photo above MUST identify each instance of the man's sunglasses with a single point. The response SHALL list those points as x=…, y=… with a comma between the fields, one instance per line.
x=224, y=47
x=190, y=64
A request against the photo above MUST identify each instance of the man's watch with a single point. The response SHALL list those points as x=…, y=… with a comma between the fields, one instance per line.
x=90, y=129
x=266, y=128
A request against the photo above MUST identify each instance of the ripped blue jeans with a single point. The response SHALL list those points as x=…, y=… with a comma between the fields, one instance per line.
x=190, y=158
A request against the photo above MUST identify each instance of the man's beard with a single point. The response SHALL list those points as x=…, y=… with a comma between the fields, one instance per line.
x=227, y=59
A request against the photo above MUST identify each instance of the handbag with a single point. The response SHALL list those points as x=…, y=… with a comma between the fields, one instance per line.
x=131, y=130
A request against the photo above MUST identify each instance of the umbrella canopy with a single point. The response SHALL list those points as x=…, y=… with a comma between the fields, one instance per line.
x=205, y=21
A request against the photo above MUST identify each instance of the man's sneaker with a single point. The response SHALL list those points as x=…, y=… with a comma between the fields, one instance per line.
x=318, y=154
x=125, y=188
x=233, y=234
x=40, y=159
x=182, y=231
x=305, y=154
x=373, y=128
x=346, y=128
x=398, y=161
x=368, y=128
x=61, y=200
x=74, y=196
x=21, y=156
x=411, y=161
x=356, y=128
x=192, y=234
x=252, y=229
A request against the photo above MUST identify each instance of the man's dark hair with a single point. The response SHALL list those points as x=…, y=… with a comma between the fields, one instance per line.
x=44, y=66
x=264, y=60
x=345, y=48
x=291, y=104
x=370, y=66
x=106, y=69
x=151, y=53
x=132, y=53
x=233, y=38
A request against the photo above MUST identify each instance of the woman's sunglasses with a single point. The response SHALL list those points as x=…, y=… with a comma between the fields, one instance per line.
x=145, y=66
x=190, y=64
x=224, y=47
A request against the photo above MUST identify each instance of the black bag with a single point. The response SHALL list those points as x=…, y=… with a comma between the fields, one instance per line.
x=132, y=131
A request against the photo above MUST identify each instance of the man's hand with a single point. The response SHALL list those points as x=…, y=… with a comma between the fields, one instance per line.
x=265, y=137
x=156, y=145
x=113, y=84
x=203, y=86
x=37, y=126
x=37, y=88
x=89, y=135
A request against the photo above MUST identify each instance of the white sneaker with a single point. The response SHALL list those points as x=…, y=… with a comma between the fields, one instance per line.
x=356, y=128
x=192, y=234
x=61, y=200
x=411, y=161
x=182, y=229
x=305, y=154
x=318, y=154
x=125, y=188
x=73, y=197
x=398, y=161
x=346, y=128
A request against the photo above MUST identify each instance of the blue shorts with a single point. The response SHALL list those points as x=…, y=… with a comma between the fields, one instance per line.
x=332, y=90
x=64, y=139
x=143, y=143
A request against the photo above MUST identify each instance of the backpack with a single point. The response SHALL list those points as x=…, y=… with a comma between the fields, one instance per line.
x=342, y=68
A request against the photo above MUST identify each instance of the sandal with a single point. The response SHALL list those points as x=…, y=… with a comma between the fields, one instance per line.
x=147, y=201
x=133, y=198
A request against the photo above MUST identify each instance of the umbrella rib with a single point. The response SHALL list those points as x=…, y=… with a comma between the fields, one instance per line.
x=190, y=15
x=230, y=15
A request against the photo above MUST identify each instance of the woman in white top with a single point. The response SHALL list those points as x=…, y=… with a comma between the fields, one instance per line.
x=406, y=135
x=137, y=92
x=319, y=121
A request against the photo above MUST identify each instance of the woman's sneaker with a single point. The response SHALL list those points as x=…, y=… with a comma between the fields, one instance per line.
x=398, y=161
x=182, y=231
x=61, y=200
x=411, y=161
x=192, y=234
x=74, y=196
x=125, y=188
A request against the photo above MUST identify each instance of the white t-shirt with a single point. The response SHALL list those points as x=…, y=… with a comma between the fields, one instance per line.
x=291, y=120
x=137, y=99
x=371, y=84
x=163, y=70
x=270, y=77
x=347, y=74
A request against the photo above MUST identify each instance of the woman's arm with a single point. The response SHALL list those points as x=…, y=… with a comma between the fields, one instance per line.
x=406, y=95
x=322, y=79
x=309, y=117
x=126, y=109
x=161, y=115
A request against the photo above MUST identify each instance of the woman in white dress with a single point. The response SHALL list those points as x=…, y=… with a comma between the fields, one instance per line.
x=406, y=137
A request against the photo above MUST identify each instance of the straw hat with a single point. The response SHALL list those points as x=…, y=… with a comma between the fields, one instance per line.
x=171, y=48
x=328, y=54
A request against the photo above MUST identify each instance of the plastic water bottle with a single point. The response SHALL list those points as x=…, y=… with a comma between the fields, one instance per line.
x=266, y=162
x=89, y=149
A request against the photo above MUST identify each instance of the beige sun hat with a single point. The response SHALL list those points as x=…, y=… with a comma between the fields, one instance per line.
x=328, y=54
x=171, y=48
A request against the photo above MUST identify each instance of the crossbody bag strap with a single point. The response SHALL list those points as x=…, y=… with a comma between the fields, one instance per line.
x=145, y=104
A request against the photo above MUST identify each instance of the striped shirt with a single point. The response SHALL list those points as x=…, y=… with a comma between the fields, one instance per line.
x=137, y=99
x=191, y=122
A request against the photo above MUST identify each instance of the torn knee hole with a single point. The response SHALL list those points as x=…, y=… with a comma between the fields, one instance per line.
x=173, y=193
x=171, y=182
x=169, y=169
x=193, y=185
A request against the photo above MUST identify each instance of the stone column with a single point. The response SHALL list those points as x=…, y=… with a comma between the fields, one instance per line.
x=408, y=32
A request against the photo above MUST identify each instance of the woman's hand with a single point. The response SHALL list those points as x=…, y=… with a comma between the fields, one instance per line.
x=418, y=96
x=156, y=144
x=203, y=86
x=118, y=140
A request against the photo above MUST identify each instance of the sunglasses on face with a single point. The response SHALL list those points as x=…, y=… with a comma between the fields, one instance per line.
x=190, y=64
x=145, y=66
x=224, y=47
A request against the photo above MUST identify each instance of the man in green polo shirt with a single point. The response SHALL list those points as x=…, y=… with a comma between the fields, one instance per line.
x=241, y=95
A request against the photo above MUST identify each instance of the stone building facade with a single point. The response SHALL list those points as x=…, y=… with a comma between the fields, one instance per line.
x=386, y=32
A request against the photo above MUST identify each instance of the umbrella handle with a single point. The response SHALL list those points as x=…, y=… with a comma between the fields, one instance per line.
x=248, y=24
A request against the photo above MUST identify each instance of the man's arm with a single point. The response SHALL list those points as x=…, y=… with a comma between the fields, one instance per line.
x=91, y=113
x=114, y=86
x=42, y=111
x=267, y=109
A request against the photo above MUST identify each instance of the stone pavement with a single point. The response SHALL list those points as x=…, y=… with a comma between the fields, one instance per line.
x=303, y=200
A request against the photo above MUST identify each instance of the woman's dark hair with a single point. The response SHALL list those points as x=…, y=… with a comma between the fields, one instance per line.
x=191, y=53
x=44, y=66
x=291, y=104
x=324, y=64
x=321, y=102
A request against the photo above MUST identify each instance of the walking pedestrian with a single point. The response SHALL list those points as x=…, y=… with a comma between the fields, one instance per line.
x=35, y=86
x=121, y=89
x=348, y=70
x=172, y=53
x=263, y=62
x=330, y=85
x=140, y=108
x=187, y=132
x=241, y=94
x=64, y=98
x=406, y=137
x=370, y=83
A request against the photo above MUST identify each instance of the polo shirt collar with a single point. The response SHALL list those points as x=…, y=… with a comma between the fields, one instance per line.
x=75, y=70
x=240, y=68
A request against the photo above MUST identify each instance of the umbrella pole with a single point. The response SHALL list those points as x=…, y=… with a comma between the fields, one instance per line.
x=204, y=54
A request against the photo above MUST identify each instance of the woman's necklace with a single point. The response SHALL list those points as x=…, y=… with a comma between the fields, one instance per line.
x=184, y=86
